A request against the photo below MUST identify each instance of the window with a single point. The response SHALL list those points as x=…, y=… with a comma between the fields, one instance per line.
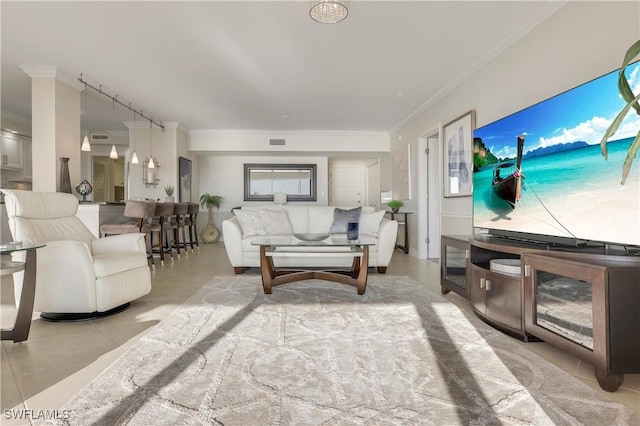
x=298, y=181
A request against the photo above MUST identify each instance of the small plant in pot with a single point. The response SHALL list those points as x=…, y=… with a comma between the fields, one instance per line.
x=168, y=190
x=210, y=233
x=395, y=205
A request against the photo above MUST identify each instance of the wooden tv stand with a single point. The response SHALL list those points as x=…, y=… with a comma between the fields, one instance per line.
x=585, y=301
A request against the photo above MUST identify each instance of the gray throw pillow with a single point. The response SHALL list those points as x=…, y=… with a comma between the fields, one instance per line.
x=342, y=217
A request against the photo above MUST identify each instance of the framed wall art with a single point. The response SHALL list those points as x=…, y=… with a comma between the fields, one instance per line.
x=401, y=172
x=184, y=172
x=458, y=160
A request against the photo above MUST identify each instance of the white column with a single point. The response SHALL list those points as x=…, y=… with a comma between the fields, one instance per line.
x=55, y=122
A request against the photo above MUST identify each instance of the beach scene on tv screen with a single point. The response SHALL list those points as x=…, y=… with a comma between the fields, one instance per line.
x=567, y=188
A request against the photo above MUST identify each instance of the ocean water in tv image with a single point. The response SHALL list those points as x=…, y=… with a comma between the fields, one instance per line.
x=569, y=189
x=574, y=193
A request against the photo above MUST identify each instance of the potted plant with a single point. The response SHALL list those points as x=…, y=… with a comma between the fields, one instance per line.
x=210, y=233
x=395, y=205
x=168, y=189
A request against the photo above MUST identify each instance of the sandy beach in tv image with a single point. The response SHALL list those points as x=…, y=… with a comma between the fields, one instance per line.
x=569, y=189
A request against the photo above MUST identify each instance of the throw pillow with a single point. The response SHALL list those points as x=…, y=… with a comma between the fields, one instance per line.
x=275, y=221
x=369, y=222
x=342, y=217
x=250, y=222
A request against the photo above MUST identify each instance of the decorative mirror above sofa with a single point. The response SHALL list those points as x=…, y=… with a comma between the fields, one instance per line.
x=298, y=181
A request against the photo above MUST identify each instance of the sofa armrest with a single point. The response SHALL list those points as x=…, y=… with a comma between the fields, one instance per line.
x=387, y=236
x=232, y=236
x=119, y=243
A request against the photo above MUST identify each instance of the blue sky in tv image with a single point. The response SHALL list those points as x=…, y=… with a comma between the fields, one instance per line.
x=572, y=192
x=579, y=114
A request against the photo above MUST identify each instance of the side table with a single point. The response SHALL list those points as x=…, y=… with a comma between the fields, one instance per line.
x=402, y=220
x=20, y=330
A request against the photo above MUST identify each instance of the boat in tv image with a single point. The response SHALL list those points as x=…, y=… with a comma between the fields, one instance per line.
x=508, y=188
x=558, y=187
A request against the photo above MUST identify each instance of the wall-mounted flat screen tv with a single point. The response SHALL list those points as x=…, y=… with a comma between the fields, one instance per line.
x=562, y=188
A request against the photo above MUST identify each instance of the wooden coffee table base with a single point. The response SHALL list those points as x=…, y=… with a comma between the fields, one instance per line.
x=356, y=277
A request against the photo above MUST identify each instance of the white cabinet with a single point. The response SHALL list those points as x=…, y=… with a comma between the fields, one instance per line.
x=27, y=160
x=11, y=151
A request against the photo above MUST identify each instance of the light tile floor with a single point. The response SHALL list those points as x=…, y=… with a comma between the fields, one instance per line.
x=59, y=359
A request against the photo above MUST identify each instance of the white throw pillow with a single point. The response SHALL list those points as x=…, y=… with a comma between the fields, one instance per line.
x=250, y=222
x=276, y=221
x=370, y=222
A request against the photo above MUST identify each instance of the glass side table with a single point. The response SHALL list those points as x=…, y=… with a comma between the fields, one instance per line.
x=20, y=330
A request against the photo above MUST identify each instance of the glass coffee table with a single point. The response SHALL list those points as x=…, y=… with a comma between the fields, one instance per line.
x=331, y=246
x=22, y=325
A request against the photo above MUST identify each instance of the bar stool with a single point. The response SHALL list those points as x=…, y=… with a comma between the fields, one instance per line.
x=178, y=226
x=161, y=224
x=191, y=222
x=143, y=212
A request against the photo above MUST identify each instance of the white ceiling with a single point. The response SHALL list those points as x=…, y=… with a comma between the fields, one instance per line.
x=258, y=65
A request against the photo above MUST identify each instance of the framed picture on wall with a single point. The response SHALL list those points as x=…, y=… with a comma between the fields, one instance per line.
x=184, y=172
x=401, y=172
x=458, y=159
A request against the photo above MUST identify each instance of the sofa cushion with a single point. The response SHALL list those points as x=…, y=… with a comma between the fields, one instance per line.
x=250, y=222
x=370, y=222
x=320, y=219
x=342, y=217
x=275, y=221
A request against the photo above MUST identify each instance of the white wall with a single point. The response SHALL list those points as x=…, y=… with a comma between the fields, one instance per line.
x=224, y=175
x=581, y=41
x=182, y=141
x=297, y=141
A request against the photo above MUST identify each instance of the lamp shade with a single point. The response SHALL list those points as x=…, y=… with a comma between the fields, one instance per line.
x=280, y=198
x=114, y=153
x=85, y=144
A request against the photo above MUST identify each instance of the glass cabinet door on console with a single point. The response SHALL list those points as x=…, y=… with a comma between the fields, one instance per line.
x=587, y=309
x=453, y=264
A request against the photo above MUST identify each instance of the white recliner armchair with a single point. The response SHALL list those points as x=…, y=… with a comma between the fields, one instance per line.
x=77, y=276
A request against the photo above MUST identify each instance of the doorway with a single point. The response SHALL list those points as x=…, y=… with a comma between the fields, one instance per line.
x=346, y=183
x=108, y=179
x=429, y=199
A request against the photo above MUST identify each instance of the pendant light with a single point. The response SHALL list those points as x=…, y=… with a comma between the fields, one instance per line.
x=151, y=164
x=114, y=153
x=134, y=157
x=86, y=147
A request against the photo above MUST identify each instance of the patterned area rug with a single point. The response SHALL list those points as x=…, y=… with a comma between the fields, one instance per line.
x=315, y=352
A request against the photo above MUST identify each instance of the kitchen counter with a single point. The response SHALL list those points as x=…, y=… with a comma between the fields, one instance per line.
x=95, y=214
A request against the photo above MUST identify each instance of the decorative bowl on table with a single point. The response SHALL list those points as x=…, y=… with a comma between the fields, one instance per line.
x=311, y=237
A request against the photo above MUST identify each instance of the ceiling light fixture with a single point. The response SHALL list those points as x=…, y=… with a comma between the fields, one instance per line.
x=115, y=99
x=85, y=144
x=114, y=153
x=86, y=147
x=328, y=11
x=151, y=164
x=134, y=157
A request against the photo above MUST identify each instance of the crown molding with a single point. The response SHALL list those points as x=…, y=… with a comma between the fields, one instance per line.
x=535, y=19
x=276, y=133
x=52, y=71
x=14, y=117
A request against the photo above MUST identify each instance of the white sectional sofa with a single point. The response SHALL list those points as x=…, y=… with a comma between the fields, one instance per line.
x=309, y=219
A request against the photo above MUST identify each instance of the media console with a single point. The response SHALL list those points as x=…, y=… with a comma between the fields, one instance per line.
x=585, y=301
